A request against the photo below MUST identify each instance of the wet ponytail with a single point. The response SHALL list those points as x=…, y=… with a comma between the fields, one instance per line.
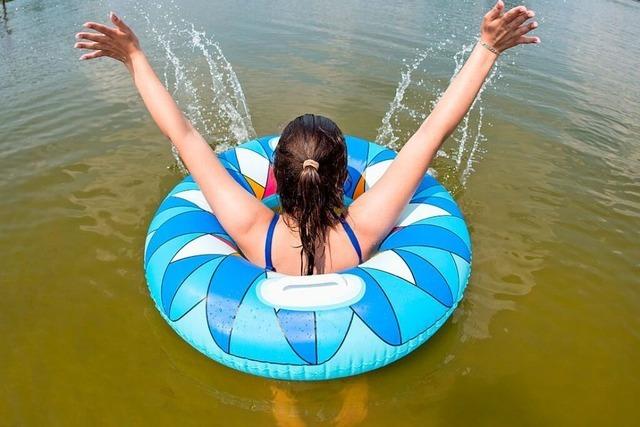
x=310, y=169
x=311, y=221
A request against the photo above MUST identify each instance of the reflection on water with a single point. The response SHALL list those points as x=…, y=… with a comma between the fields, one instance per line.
x=5, y=18
x=544, y=168
x=354, y=395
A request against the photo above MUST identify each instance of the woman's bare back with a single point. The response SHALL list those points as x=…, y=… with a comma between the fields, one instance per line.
x=339, y=253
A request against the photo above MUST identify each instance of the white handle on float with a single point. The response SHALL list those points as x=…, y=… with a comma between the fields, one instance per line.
x=311, y=293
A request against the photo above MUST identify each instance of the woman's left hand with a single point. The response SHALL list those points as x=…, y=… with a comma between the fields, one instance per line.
x=503, y=30
x=117, y=42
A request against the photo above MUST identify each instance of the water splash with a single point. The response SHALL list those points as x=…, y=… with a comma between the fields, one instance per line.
x=386, y=133
x=218, y=109
x=418, y=92
x=469, y=140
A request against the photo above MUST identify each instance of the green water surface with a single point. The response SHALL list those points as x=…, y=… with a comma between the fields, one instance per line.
x=549, y=330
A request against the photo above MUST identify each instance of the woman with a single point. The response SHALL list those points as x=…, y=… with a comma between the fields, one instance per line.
x=315, y=233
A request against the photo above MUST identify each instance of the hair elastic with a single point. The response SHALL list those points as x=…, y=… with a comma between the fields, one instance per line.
x=312, y=163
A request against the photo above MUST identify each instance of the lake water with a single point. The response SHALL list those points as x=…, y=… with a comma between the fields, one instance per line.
x=545, y=169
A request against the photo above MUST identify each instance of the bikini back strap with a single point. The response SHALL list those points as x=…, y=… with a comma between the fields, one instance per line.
x=267, y=244
x=352, y=238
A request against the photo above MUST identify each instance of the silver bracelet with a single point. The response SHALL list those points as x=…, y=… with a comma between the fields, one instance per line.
x=488, y=47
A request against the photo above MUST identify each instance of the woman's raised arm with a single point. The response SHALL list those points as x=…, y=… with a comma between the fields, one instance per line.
x=241, y=214
x=389, y=196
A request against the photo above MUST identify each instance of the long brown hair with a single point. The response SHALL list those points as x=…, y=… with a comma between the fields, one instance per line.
x=312, y=197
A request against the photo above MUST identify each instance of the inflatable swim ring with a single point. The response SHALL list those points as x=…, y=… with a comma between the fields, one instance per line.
x=306, y=327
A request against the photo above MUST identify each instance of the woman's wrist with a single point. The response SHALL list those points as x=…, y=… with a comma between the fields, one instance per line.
x=135, y=57
x=488, y=46
x=485, y=56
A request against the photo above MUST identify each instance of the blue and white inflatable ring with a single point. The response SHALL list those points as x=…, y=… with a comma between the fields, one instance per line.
x=324, y=326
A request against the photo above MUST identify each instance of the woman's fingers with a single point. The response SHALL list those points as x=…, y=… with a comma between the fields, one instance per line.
x=519, y=20
x=115, y=42
x=528, y=40
x=110, y=32
x=91, y=45
x=95, y=37
x=94, y=54
x=513, y=14
x=524, y=29
x=101, y=53
x=119, y=23
x=495, y=11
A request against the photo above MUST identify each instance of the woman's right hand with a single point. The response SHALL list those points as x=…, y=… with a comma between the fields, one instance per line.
x=117, y=42
x=506, y=30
